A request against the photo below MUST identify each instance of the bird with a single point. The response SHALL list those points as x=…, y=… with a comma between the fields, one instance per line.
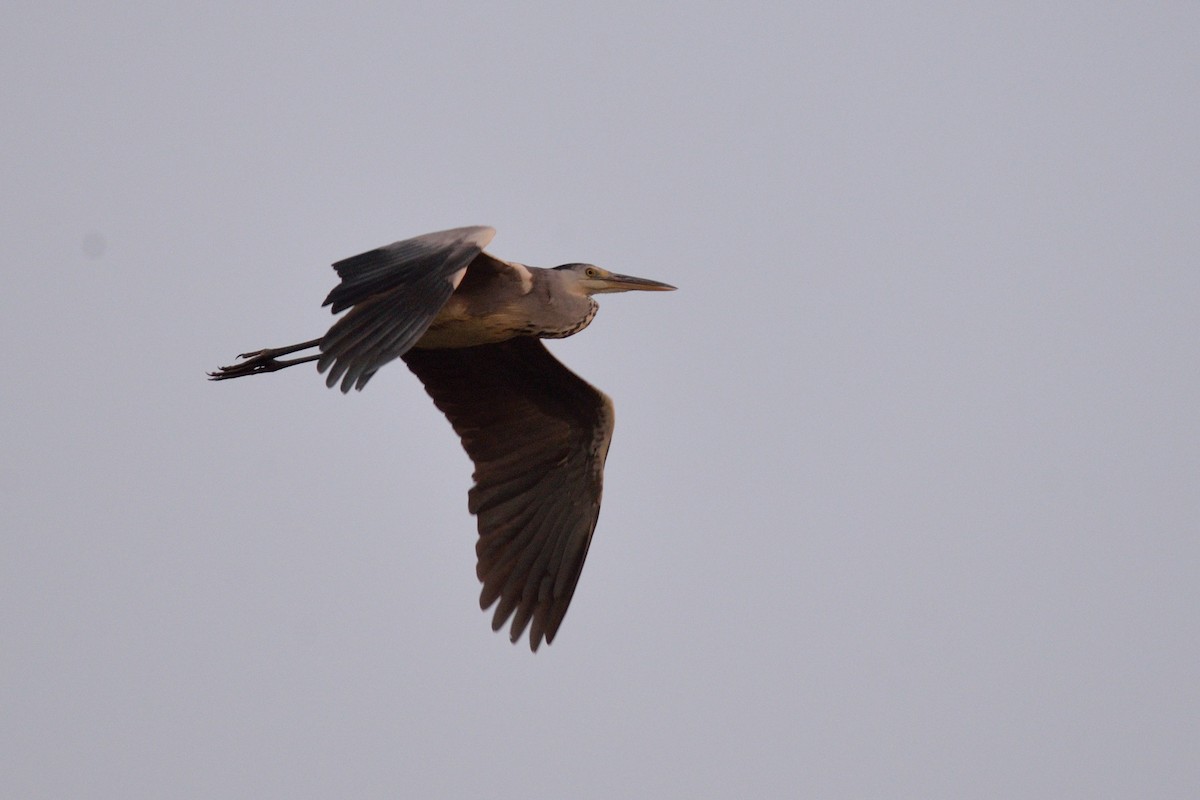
x=469, y=325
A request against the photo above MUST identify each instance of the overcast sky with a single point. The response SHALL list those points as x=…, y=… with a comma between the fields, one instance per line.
x=902, y=500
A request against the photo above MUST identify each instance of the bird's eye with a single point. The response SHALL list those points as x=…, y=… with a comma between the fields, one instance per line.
x=590, y=272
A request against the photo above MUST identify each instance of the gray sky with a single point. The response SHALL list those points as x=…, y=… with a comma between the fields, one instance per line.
x=902, y=497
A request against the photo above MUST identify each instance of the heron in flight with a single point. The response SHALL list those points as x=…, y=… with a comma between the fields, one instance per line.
x=468, y=324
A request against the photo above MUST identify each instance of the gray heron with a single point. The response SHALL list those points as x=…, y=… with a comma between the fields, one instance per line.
x=468, y=325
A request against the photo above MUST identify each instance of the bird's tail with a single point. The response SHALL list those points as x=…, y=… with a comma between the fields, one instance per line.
x=265, y=361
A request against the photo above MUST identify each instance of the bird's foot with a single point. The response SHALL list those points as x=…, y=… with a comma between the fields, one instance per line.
x=266, y=361
x=256, y=362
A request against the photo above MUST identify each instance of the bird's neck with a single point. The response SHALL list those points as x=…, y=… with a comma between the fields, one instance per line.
x=575, y=326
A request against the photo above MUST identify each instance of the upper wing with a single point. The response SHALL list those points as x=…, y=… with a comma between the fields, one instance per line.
x=394, y=292
x=538, y=435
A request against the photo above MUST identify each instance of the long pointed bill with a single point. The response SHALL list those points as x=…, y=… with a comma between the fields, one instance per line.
x=628, y=283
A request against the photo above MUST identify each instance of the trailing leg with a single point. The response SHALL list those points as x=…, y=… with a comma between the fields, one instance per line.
x=265, y=361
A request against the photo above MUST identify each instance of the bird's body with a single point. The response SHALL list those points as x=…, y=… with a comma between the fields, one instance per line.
x=475, y=315
x=468, y=324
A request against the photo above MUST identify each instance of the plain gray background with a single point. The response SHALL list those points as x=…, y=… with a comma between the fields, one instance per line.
x=902, y=498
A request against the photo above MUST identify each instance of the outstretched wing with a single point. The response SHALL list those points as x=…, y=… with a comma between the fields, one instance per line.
x=538, y=435
x=393, y=294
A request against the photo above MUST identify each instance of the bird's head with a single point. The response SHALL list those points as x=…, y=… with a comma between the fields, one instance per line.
x=591, y=279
